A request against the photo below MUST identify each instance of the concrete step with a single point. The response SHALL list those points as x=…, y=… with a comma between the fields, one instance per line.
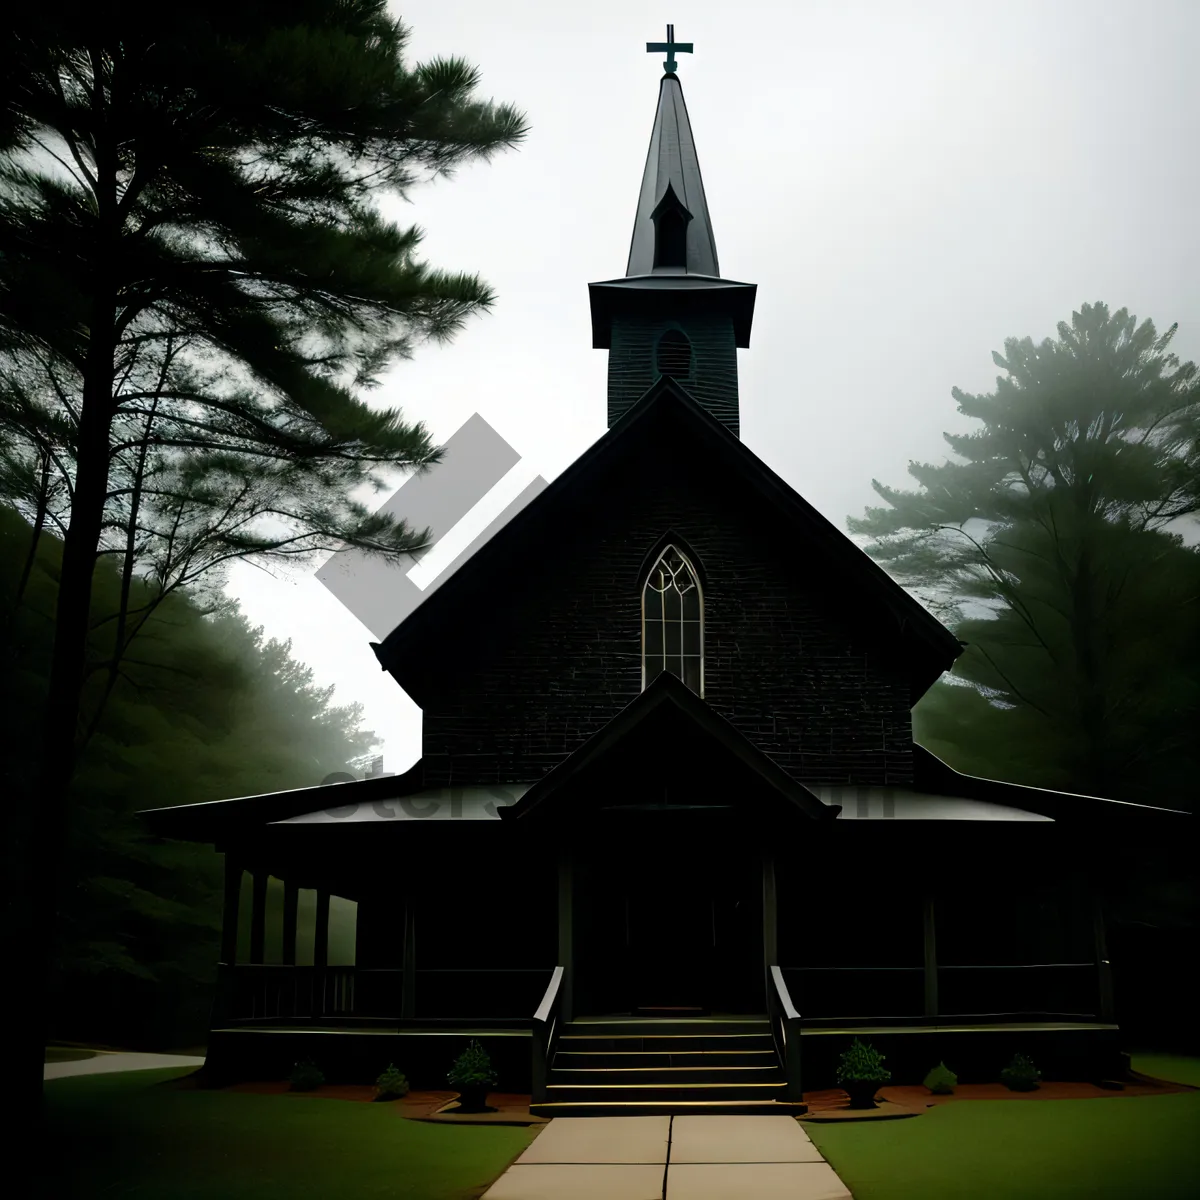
x=668, y=1108
x=767, y=1072
x=665, y=1026
x=619, y=1059
x=671, y=1043
x=773, y=1089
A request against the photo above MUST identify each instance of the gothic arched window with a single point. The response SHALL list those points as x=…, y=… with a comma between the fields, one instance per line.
x=674, y=354
x=673, y=622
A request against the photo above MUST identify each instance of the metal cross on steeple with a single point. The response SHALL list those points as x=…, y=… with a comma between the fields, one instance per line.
x=669, y=48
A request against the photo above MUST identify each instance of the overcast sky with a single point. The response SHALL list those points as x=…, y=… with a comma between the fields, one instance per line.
x=907, y=183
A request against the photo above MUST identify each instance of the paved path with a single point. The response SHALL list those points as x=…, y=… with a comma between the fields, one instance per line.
x=117, y=1060
x=670, y=1158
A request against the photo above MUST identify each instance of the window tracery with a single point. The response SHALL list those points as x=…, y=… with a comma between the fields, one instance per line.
x=672, y=622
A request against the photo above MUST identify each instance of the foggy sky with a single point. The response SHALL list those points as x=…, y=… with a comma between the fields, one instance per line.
x=907, y=183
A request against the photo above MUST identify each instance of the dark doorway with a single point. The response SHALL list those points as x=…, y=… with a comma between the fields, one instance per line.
x=670, y=927
x=670, y=942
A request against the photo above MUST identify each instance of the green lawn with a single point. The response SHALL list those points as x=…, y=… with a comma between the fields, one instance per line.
x=129, y=1136
x=1031, y=1150
x=59, y=1054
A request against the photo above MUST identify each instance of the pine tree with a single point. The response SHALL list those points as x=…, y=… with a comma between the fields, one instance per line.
x=206, y=176
x=1053, y=545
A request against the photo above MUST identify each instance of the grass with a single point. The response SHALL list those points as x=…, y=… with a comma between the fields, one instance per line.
x=130, y=1136
x=1032, y=1150
x=58, y=1054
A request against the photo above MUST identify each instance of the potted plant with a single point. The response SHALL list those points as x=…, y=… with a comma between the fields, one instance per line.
x=861, y=1074
x=391, y=1085
x=473, y=1076
x=941, y=1081
x=1020, y=1075
x=306, y=1076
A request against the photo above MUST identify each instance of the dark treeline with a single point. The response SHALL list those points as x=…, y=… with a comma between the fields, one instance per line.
x=1061, y=544
x=203, y=709
x=198, y=288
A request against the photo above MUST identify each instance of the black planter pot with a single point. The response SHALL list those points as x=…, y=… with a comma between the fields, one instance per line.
x=473, y=1098
x=862, y=1093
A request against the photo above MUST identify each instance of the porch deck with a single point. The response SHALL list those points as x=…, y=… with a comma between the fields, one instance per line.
x=357, y=1051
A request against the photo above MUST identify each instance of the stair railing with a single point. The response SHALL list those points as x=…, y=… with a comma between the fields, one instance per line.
x=785, y=1030
x=545, y=1034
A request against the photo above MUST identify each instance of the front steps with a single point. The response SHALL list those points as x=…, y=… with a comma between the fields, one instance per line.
x=647, y=1066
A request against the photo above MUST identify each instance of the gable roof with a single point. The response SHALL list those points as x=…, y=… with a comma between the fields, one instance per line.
x=663, y=416
x=666, y=695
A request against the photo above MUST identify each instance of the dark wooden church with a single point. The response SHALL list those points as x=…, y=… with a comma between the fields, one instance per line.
x=670, y=842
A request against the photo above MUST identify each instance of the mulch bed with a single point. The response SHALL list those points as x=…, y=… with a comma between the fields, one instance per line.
x=510, y=1107
x=916, y=1098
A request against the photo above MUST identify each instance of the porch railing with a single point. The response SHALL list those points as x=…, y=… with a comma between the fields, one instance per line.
x=545, y=1034
x=785, y=1029
x=1046, y=991
x=265, y=992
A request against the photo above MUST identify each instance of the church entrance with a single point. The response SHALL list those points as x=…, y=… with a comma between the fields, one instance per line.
x=667, y=925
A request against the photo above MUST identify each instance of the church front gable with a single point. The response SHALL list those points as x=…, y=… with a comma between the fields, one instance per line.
x=664, y=566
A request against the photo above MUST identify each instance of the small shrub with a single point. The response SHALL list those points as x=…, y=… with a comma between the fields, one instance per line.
x=862, y=1063
x=472, y=1068
x=391, y=1085
x=1020, y=1075
x=306, y=1076
x=941, y=1081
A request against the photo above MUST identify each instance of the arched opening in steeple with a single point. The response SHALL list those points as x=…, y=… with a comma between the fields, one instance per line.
x=673, y=621
x=673, y=355
x=670, y=231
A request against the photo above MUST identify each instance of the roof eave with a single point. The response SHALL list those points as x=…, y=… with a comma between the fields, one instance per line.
x=938, y=777
x=691, y=294
x=211, y=821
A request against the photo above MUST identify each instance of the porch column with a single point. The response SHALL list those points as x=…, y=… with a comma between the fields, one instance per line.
x=225, y=996
x=770, y=914
x=291, y=903
x=566, y=931
x=258, y=917
x=321, y=938
x=229, y=910
x=931, y=975
x=1104, y=981
x=408, y=987
x=320, y=953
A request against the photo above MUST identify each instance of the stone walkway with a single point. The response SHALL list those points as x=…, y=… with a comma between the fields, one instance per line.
x=670, y=1158
x=117, y=1060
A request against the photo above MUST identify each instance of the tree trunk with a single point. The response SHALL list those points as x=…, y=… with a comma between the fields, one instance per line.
x=1096, y=777
x=120, y=643
x=39, y=521
x=34, y=886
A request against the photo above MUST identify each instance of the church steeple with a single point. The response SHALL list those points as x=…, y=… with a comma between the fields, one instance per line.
x=672, y=179
x=672, y=313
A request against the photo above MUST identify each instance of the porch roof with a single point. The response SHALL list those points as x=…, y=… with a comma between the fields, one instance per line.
x=651, y=737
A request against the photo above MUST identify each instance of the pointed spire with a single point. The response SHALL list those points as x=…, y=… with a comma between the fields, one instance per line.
x=672, y=297
x=672, y=165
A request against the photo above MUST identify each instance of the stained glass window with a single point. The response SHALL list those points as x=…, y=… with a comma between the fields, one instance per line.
x=672, y=622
